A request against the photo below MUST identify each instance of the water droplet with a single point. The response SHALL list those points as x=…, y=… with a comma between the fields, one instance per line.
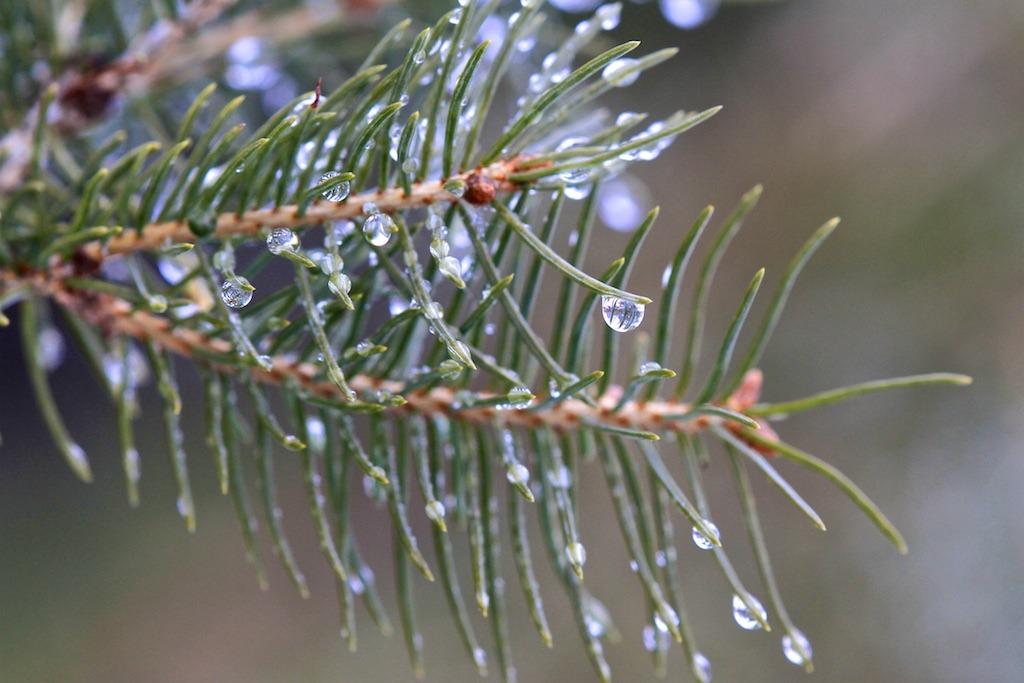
x=378, y=228
x=435, y=511
x=650, y=638
x=649, y=367
x=576, y=553
x=411, y=166
x=171, y=270
x=224, y=260
x=702, y=667
x=337, y=192
x=356, y=585
x=574, y=5
x=397, y=305
x=518, y=475
x=480, y=657
x=688, y=13
x=51, y=348
x=369, y=208
x=665, y=275
x=520, y=397
x=282, y=239
x=489, y=329
x=741, y=613
x=560, y=477
x=621, y=73
x=790, y=649
x=316, y=433
x=623, y=202
x=702, y=541
x=594, y=627
x=608, y=16
x=235, y=295
x=621, y=315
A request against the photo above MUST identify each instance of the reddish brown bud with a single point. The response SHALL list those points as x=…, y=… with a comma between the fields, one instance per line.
x=480, y=190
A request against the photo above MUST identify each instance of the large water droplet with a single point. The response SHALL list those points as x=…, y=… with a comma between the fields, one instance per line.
x=282, y=239
x=621, y=315
x=378, y=228
x=702, y=541
x=235, y=295
x=337, y=192
x=621, y=72
x=741, y=613
x=789, y=647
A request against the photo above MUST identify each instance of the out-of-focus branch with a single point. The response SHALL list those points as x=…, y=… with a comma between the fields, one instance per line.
x=170, y=50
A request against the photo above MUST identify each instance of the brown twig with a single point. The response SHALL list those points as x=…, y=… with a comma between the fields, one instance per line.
x=116, y=317
x=424, y=193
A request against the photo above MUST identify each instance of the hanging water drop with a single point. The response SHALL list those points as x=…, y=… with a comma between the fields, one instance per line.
x=518, y=475
x=576, y=553
x=338, y=192
x=51, y=348
x=621, y=73
x=281, y=240
x=560, y=478
x=741, y=613
x=702, y=667
x=435, y=511
x=702, y=541
x=235, y=293
x=791, y=645
x=378, y=228
x=621, y=315
x=649, y=367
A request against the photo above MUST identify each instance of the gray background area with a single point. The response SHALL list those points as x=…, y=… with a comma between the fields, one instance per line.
x=906, y=119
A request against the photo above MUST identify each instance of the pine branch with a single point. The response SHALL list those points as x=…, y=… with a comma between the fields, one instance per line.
x=415, y=324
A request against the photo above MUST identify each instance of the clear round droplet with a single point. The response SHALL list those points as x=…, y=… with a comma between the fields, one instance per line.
x=621, y=72
x=741, y=613
x=378, y=228
x=282, y=239
x=339, y=191
x=789, y=647
x=702, y=541
x=234, y=295
x=621, y=315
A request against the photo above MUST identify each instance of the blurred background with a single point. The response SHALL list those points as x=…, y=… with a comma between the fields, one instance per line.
x=904, y=118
